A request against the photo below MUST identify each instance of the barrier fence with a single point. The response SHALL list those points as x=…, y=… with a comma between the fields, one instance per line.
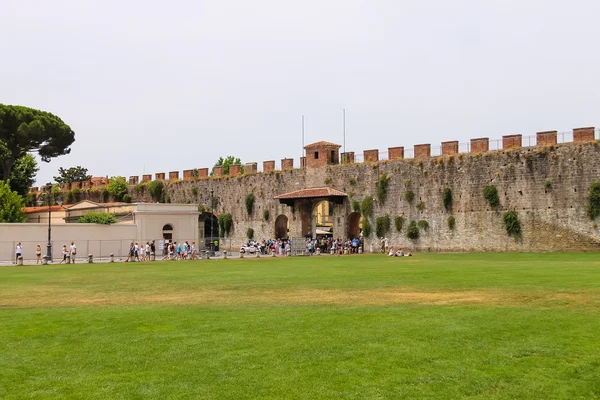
x=100, y=249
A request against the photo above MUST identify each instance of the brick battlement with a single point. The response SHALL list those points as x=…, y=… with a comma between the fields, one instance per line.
x=321, y=154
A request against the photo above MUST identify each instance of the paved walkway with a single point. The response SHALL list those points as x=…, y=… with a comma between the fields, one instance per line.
x=84, y=260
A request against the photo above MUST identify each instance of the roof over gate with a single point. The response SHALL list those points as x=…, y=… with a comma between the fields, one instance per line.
x=311, y=194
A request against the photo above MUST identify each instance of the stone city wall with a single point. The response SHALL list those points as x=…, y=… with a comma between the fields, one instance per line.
x=547, y=185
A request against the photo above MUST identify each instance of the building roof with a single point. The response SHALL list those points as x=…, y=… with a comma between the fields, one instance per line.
x=321, y=144
x=29, y=210
x=311, y=193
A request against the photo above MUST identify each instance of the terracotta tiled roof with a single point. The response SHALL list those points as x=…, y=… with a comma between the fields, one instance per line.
x=28, y=210
x=311, y=193
x=321, y=144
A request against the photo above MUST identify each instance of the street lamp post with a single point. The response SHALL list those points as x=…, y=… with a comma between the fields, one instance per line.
x=212, y=215
x=49, y=199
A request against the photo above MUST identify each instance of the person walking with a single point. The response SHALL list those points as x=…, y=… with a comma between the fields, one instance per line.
x=38, y=254
x=65, y=252
x=73, y=252
x=18, y=252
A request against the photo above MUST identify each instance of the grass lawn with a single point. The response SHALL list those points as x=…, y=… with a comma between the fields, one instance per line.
x=438, y=326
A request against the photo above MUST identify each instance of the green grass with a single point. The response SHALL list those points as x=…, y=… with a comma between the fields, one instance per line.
x=480, y=326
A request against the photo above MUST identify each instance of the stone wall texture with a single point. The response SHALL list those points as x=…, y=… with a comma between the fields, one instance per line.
x=546, y=185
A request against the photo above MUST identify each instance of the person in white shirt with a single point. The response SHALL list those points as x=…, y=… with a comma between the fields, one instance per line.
x=65, y=252
x=18, y=252
x=73, y=252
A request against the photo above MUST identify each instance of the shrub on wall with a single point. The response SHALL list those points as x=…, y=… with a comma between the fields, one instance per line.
x=195, y=191
x=398, y=223
x=447, y=198
x=250, y=233
x=250, y=203
x=593, y=206
x=409, y=196
x=355, y=206
x=382, y=226
x=126, y=198
x=352, y=181
x=266, y=215
x=98, y=218
x=491, y=195
x=366, y=207
x=366, y=227
x=512, y=224
x=225, y=223
x=451, y=222
x=156, y=190
x=382, y=186
x=421, y=206
x=412, y=231
x=70, y=198
x=423, y=224
x=328, y=181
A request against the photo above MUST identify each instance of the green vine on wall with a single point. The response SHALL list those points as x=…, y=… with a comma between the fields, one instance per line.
x=366, y=227
x=491, y=195
x=412, y=231
x=398, y=223
x=249, y=203
x=447, y=198
x=511, y=223
x=593, y=206
x=451, y=222
x=382, y=186
x=409, y=196
x=366, y=207
x=382, y=225
x=355, y=206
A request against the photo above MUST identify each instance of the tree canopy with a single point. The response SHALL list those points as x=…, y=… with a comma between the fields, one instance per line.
x=24, y=129
x=228, y=162
x=23, y=174
x=117, y=187
x=11, y=204
x=73, y=174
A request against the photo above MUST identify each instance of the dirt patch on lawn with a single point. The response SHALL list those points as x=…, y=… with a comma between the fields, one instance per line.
x=50, y=297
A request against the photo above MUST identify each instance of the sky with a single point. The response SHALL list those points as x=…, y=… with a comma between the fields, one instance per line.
x=155, y=86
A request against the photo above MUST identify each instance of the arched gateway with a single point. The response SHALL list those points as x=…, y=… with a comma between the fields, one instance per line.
x=307, y=205
x=281, y=227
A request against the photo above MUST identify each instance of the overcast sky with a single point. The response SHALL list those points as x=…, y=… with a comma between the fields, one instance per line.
x=155, y=86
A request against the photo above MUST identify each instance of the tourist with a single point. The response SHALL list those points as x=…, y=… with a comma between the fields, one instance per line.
x=65, y=253
x=38, y=254
x=73, y=252
x=18, y=252
x=153, y=249
x=131, y=253
x=194, y=251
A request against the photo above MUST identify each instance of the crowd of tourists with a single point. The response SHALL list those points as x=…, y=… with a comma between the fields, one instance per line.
x=68, y=253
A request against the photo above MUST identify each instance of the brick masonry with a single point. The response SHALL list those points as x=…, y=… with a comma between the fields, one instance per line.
x=371, y=155
x=235, y=170
x=269, y=166
x=547, y=138
x=396, y=153
x=287, y=163
x=480, y=145
x=450, y=148
x=422, y=150
x=583, y=134
x=512, y=141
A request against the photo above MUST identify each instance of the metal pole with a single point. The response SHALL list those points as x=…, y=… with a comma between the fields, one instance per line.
x=303, y=155
x=212, y=216
x=344, y=143
x=49, y=246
